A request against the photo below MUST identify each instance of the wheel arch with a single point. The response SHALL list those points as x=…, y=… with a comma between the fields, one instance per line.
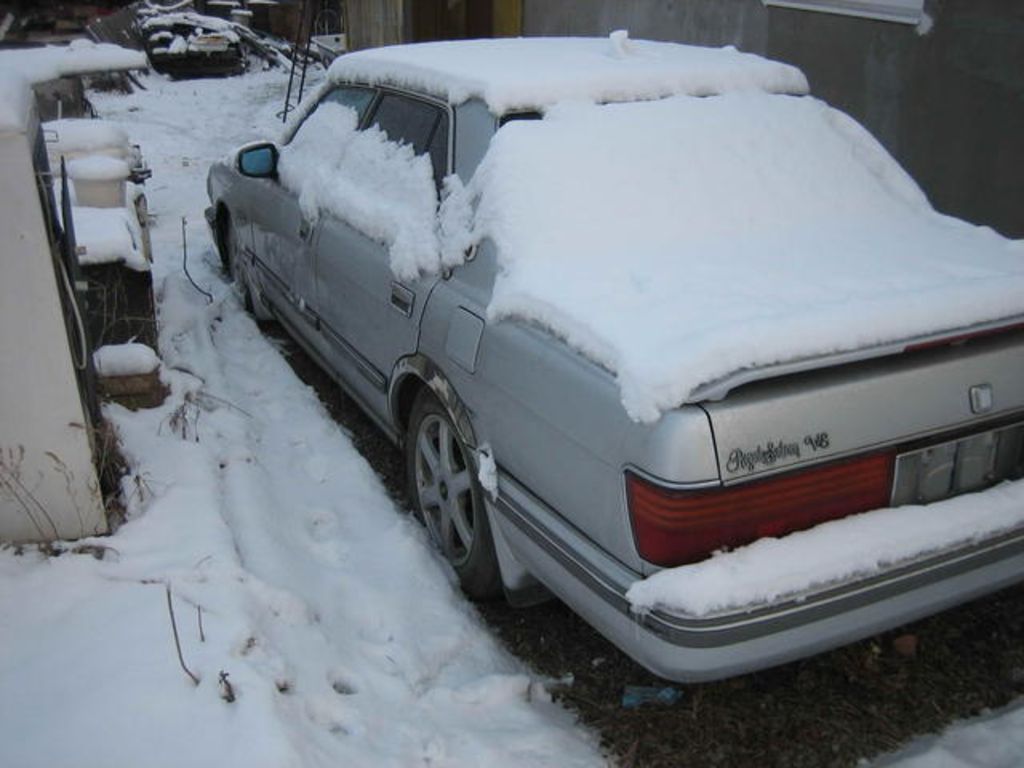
x=415, y=374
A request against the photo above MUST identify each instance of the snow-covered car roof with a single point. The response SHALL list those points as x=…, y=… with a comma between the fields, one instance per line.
x=531, y=73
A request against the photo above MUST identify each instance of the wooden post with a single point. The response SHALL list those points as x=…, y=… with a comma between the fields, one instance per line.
x=508, y=18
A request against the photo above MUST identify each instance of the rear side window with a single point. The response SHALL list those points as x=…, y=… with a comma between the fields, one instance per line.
x=420, y=124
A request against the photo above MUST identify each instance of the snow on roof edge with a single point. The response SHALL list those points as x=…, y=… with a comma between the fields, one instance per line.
x=80, y=57
x=535, y=72
x=21, y=68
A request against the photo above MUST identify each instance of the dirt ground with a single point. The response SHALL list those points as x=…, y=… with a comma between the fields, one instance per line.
x=831, y=710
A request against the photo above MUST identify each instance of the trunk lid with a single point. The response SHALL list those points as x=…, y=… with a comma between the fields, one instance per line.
x=930, y=395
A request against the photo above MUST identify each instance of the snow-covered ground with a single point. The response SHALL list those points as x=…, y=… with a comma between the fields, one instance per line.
x=297, y=587
x=994, y=740
x=342, y=636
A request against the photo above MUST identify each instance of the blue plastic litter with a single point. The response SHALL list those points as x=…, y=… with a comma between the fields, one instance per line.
x=634, y=696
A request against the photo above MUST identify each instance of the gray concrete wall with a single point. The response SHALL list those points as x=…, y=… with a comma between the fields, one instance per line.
x=948, y=103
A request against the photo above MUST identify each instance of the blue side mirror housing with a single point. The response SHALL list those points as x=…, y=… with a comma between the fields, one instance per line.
x=258, y=161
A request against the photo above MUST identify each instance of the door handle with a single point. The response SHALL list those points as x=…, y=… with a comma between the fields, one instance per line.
x=402, y=299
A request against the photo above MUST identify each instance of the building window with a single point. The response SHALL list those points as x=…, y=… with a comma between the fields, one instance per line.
x=901, y=11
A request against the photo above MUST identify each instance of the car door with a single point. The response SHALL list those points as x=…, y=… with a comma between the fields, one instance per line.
x=370, y=316
x=283, y=230
x=281, y=256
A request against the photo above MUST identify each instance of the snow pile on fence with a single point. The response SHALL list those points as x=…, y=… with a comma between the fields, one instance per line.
x=79, y=57
x=22, y=67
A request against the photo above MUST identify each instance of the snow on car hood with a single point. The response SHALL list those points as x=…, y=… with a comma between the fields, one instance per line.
x=678, y=241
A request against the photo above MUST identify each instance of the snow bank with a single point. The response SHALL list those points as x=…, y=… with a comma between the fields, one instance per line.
x=98, y=168
x=383, y=189
x=75, y=136
x=125, y=360
x=678, y=241
x=993, y=740
x=108, y=235
x=532, y=73
x=770, y=569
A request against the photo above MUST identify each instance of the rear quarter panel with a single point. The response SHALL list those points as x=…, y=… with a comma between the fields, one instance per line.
x=554, y=420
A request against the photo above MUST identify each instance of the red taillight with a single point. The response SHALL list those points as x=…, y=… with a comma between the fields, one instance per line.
x=673, y=527
x=961, y=338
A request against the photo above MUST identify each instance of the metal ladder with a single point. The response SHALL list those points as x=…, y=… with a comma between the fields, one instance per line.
x=324, y=20
x=300, y=53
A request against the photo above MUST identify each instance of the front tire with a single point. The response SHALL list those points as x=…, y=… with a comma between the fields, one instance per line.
x=447, y=497
x=232, y=259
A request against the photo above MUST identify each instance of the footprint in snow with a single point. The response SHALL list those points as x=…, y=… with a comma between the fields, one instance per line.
x=326, y=542
x=334, y=714
x=316, y=467
x=321, y=524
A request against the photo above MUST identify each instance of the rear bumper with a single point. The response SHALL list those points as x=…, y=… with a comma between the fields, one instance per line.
x=689, y=649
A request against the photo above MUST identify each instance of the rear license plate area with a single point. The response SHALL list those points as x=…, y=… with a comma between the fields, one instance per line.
x=966, y=464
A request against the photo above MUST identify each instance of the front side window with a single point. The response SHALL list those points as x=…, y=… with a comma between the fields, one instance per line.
x=354, y=97
x=351, y=96
x=422, y=125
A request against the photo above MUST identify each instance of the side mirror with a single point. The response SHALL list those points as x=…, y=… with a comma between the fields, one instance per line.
x=258, y=161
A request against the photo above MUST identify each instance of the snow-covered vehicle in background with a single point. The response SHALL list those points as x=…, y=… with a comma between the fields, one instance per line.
x=658, y=331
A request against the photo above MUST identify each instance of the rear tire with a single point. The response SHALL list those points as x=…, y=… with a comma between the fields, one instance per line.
x=447, y=497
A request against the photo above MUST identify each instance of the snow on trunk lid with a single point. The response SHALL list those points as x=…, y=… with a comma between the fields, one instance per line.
x=676, y=242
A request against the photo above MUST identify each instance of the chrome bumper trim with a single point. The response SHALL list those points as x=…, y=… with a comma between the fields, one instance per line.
x=610, y=581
